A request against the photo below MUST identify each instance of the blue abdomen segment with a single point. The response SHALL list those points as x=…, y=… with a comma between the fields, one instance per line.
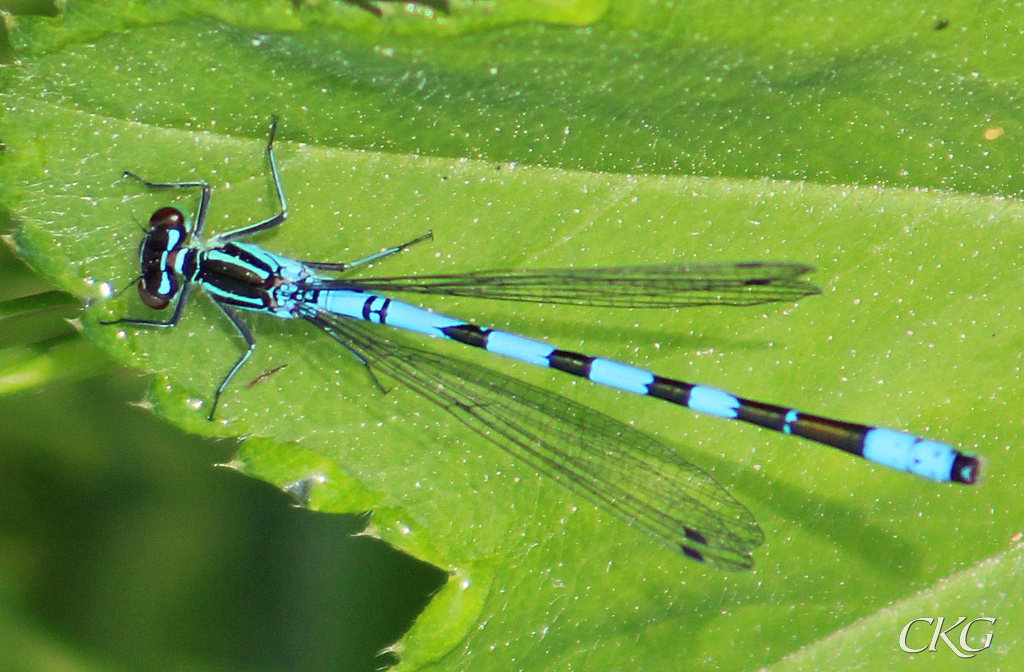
x=405, y=316
x=517, y=347
x=906, y=452
x=709, y=400
x=624, y=377
x=382, y=310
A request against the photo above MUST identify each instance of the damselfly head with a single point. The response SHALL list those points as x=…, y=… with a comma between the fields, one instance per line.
x=166, y=235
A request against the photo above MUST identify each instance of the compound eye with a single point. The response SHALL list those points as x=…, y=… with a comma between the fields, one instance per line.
x=166, y=229
x=167, y=217
x=156, y=288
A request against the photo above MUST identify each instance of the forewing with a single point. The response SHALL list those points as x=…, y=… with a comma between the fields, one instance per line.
x=659, y=286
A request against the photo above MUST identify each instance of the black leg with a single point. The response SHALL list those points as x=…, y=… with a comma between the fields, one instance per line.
x=250, y=346
x=318, y=319
x=344, y=266
x=204, y=199
x=270, y=222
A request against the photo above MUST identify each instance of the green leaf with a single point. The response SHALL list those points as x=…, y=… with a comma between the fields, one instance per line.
x=29, y=366
x=867, y=143
x=26, y=305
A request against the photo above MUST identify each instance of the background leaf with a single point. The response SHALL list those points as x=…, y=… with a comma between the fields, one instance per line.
x=872, y=144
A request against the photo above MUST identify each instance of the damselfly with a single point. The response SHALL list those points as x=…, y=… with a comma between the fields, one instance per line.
x=620, y=469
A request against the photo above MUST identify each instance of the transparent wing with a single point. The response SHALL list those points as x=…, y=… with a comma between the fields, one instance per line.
x=622, y=470
x=661, y=286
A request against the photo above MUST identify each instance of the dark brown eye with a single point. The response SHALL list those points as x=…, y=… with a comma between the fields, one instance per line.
x=168, y=217
x=157, y=287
